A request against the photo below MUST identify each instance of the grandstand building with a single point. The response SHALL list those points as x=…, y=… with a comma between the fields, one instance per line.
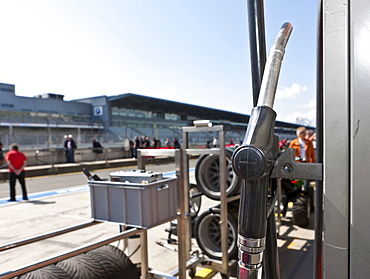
x=43, y=120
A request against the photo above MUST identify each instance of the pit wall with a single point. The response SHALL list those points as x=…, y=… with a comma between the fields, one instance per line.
x=57, y=156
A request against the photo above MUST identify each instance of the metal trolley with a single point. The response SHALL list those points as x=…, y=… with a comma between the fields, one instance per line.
x=186, y=259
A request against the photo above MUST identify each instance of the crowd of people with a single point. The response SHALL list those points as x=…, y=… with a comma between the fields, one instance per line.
x=144, y=142
x=134, y=144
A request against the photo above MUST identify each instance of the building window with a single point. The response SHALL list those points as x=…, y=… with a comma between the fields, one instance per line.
x=147, y=114
x=159, y=115
x=7, y=89
x=115, y=111
x=171, y=116
x=7, y=105
x=123, y=112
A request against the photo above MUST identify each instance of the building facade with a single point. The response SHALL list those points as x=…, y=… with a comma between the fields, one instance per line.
x=43, y=120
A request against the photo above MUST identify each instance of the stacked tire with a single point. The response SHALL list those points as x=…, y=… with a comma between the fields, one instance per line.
x=208, y=231
x=106, y=262
x=207, y=175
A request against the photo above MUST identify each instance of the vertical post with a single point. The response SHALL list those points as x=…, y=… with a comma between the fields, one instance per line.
x=279, y=201
x=223, y=205
x=271, y=268
x=144, y=254
x=319, y=223
x=257, y=42
x=186, y=197
x=141, y=160
x=183, y=221
x=336, y=92
x=79, y=136
x=10, y=134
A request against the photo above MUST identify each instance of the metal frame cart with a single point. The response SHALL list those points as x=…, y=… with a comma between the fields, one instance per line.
x=186, y=259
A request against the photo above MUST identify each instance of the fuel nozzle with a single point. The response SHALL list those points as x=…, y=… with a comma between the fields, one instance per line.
x=253, y=161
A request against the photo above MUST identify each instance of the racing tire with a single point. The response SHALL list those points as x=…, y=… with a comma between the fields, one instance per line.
x=301, y=210
x=207, y=176
x=48, y=272
x=311, y=194
x=195, y=202
x=208, y=234
x=83, y=267
x=114, y=261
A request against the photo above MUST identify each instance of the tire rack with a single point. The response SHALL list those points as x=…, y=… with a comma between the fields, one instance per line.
x=185, y=260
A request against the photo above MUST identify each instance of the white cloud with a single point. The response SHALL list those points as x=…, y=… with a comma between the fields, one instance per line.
x=311, y=104
x=306, y=118
x=290, y=92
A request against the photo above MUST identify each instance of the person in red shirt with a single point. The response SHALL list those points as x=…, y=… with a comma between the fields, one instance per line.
x=17, y=161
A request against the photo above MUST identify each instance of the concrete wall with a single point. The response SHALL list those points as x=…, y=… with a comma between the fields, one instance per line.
x=57, y=156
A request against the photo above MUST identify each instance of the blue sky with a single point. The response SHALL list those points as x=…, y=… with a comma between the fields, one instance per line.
x=193, y=51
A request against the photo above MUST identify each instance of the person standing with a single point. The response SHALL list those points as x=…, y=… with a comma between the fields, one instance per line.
x=303, y=147
x=215, y=142
x=176, y=143
x=64, y=145
x=136, y=146
x=17, y=161
x=208, y=143
x=167, y=142
x=97, y=149
x=69, y=147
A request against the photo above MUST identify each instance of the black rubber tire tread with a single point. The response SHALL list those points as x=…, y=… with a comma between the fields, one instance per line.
x=208, y=179
x=301, y=210
x=204, y=238
x=47, y=272
x=311, y=194
x=115, y=262
x=195, y=203
x=83, y=267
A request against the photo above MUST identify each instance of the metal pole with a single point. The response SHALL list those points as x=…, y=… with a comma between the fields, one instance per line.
x=144, y=254
x=271, y=268
x=184, y=220
x=319, y=218
x=257, y=43
x=46, y=235
x=141, y=160
x=223, y=205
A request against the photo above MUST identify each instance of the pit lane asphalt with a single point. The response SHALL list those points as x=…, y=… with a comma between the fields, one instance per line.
x=59, y=208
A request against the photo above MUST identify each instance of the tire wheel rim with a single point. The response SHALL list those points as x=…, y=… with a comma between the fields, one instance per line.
x=209, y=172
x=209, y=233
